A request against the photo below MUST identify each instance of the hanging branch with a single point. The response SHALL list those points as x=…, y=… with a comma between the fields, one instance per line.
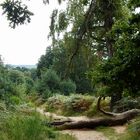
x=81, y=32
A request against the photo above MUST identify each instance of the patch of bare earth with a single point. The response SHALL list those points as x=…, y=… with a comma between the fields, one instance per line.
x=85, y=134
x=120, y=129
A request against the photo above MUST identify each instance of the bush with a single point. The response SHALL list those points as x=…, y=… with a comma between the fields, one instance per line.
x=15, y=100
x=127, y=103
x=67, y=87
x=17, y=77
x=55, y=103
x=6, y=87
x=78, y=103
x=29, y=85
x=2, y=106
x=69, y=105
x=51, y=79
x=48, y=84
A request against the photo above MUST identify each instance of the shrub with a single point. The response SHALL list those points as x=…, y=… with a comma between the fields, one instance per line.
x=55, y=103
x=15, y=100
x=17, y=77
x=78, y=103
x=51, y=79
x=2, y=106
x=29, y=85
x=67, y=87
x=127, y=103
x=69, y=105
x=48, y=84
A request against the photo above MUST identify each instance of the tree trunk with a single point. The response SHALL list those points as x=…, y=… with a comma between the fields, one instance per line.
x=114, y=119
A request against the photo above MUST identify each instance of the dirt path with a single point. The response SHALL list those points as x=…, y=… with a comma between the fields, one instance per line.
x=82, y=134
x=53, y=115
x=86, y=134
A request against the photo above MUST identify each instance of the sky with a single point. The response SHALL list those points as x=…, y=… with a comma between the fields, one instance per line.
x=26, y=43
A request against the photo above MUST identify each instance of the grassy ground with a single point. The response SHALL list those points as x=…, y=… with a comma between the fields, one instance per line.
x=108, y=132
x=27, y=125
x=111, y=134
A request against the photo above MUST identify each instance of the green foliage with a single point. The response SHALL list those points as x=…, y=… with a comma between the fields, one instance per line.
x=6, y=88
x=16, y=77
x=15, y=83
x=45, y=61
x=75, y=104
x=20, y=127
x=2, y=106
x=120, y=73
x=127, y=103
x=16, y=12
x=67, y=87
x=29, y=83
x=78, y=103
x=52, y=25
x=15, y=100
x=48, y=84
x=51, y=80
x=55, y=103
x=61, y=49
x=24, y=123
x=57, y=59
x=63, y=22
x=92, y=110
x=69, y=105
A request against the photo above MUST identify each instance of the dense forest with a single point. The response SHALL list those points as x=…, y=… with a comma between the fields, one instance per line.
x=91, y=68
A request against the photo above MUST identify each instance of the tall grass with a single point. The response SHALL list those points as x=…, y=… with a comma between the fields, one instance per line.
x=18, y=126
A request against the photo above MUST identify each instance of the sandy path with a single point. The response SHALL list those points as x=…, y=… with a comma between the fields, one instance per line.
x=86, y=134
x=53, y=115
x=82, y=134
x=119, y=129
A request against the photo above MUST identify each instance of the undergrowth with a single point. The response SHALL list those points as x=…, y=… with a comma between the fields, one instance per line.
x=74, y=105
x=16, y=125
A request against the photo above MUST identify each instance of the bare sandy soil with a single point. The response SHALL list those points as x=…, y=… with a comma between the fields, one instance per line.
x=86, y=134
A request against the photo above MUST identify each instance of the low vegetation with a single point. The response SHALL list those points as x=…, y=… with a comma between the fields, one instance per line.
x=69, y=105
x=24, y=125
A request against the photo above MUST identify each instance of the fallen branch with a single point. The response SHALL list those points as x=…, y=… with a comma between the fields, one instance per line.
x=113, y=120
x=92, y=123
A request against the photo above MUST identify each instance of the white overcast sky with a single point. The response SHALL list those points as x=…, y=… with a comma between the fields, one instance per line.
x=26, y=43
